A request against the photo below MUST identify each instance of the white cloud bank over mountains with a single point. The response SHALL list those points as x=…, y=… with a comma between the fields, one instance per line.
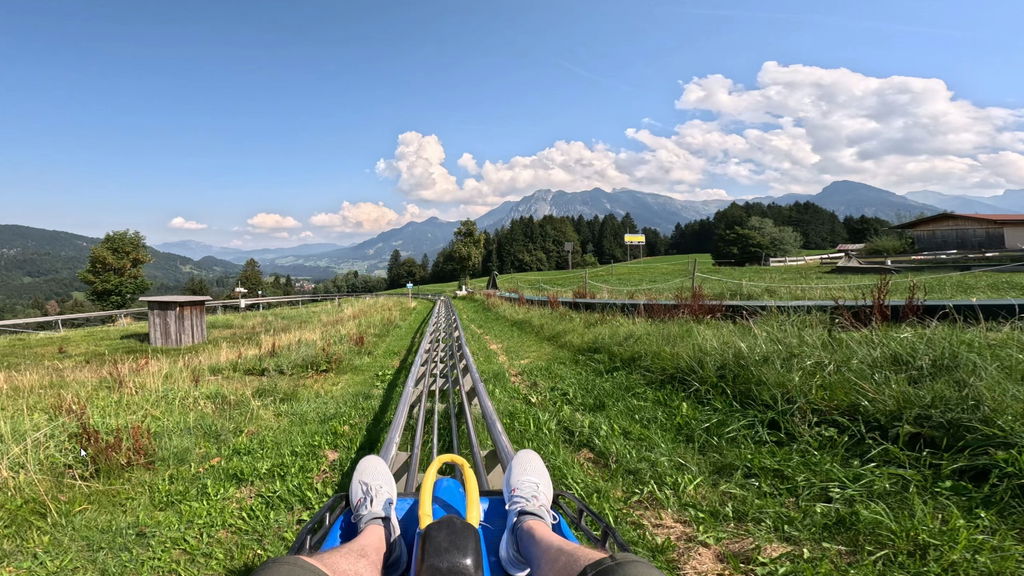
x=800, y=128
x=367, y=217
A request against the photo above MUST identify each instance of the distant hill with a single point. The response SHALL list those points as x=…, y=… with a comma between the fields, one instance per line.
x=654, y=210
x=194, y=249
x=371, y=256
x=428, y=237
x=38, y=263
x=954, y=203
x=1009, y=202
x=849, y=198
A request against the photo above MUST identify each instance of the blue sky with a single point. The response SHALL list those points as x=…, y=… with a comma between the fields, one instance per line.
x=265, y=123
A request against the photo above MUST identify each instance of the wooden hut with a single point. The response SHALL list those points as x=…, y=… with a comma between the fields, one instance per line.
x=950, y=231
x=176, y=320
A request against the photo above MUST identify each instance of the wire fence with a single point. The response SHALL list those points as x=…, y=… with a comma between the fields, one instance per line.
x=59, y=323
x=596, y=282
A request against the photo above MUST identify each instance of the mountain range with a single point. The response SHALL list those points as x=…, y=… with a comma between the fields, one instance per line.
x=37, y=263
x=414, y=239
x=429, y=236
x=844, y=197
x=42, y=263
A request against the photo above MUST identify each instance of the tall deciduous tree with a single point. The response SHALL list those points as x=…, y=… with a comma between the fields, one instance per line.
x=754, y=241
x=114, y=272
x=467, y=249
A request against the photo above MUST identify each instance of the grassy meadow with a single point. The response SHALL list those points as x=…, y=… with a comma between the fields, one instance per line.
x=779, y=446
x=665, y=277
x=118, y=458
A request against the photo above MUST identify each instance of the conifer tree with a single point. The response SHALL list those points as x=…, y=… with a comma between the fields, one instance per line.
x=251, y=277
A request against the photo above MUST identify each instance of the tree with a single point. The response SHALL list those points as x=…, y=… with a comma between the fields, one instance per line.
x=196, y=286
x=467, y=249
x=755, y=241
x=861, y=228
x=393, y=273
x=820, y=228
x=251, y=277
x=889, y=243
x=408, y=270
x=655, y=243
x=610, y=246
x=444, y=268
x=114, y=272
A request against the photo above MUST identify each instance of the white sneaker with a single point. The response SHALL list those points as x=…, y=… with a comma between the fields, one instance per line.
x=373, y=496
x=528, y=494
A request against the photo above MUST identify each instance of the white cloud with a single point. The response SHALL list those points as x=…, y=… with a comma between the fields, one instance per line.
x=306, y=235
x=281, y=235
x=468, y=163
x=804, y=126
x=418, y=167
x=570, y=165
x=798, y=129
x=265, y=222
x=180, y=223
x=363, y=217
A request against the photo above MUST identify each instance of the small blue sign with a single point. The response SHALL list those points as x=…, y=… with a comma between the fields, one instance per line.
x=409, y=286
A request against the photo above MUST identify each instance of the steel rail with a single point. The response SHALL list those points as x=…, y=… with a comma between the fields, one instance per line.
x=494, y=427
x=390, y=447
x=443, y=362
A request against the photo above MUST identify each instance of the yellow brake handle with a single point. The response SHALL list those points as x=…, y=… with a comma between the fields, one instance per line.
x=426, y=510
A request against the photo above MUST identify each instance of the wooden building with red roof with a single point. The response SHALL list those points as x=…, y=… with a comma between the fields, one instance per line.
x=949, y=231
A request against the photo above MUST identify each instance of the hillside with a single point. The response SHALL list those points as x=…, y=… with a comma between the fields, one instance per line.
x=654, y=210
x=194, y=249
x=42, y=264
x=953, y=203
x=849, y=198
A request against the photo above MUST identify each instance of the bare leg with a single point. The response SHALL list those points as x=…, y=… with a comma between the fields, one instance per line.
x=361, y=556
x=548, y=554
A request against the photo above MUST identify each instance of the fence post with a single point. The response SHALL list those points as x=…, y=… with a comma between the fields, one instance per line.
x=586, y=283
x=693, y=277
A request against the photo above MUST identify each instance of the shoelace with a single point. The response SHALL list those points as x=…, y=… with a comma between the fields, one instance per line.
x=372, y=493
x=527, y=495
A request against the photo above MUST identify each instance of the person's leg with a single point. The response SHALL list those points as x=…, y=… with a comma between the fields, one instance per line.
x=378, y=547
x=360, y=556
x=529, y=545
x=548, y=554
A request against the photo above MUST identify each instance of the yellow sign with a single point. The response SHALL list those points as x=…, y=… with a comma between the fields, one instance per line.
x=640, y=239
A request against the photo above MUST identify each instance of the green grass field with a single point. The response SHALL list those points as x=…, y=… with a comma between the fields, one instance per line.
x=777, y=446
x=197, y=461
x=782, y=446
x=665, y=277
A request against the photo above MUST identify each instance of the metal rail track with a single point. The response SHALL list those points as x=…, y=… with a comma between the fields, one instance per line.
x=444, y=408
x=445, y=401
